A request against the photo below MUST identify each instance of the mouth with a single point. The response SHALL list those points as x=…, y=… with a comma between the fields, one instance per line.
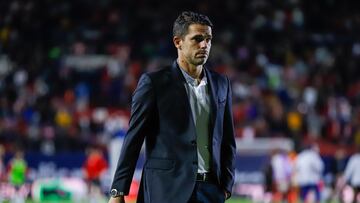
x=202, y=54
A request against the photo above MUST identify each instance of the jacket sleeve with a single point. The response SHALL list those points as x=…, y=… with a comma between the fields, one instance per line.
x=142, y=108
x=228, y=145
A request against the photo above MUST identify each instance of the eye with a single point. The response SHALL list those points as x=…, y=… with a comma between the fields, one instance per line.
x=198, y=38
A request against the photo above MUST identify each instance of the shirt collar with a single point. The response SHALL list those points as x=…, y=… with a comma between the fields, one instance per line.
x=193, y=81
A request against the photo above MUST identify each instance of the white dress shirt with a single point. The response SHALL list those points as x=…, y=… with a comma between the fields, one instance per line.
x=199, y=100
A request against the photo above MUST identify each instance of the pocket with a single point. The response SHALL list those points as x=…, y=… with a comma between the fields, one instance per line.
x=162, y=164
x=217, y=194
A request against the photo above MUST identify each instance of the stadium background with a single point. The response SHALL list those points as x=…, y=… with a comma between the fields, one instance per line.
x=68, y=68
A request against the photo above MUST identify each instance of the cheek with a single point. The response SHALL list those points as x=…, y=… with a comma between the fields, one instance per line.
x=189, y=50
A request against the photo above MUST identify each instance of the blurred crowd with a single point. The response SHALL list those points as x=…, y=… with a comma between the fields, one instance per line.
x=68, y=68
x=291, y=177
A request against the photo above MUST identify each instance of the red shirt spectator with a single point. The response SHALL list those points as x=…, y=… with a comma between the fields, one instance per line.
x=95, y=165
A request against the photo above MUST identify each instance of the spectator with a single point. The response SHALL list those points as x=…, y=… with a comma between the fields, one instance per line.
x=17, y=174
x=308, y=171
x=282, y=171
x=17, y=169
x=352, y=174
x=94, y=167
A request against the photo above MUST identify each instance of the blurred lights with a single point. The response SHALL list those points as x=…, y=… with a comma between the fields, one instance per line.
x=302, y=108
x=99, y=115
x=356, y=49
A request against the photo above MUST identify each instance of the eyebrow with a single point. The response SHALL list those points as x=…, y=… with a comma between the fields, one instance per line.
x=200, y=35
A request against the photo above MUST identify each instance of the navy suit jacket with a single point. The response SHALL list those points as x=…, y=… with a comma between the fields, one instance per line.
x=161, y=115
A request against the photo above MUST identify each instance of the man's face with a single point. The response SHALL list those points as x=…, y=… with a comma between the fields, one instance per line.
x=195, y=46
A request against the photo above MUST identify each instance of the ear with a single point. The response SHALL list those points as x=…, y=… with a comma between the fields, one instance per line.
x=177, y=42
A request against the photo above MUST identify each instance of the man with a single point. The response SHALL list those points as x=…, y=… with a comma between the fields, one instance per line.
x=95, y=165
x=184, y=114
x=352, y=174
x=17, y=174
x=282, y=171
x=308, y=171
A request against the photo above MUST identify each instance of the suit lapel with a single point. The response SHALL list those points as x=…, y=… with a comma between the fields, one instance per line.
x=213, y=97
x=180, y=87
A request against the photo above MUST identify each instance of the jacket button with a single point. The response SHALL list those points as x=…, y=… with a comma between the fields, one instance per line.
x=195, y=162
x=193, y=143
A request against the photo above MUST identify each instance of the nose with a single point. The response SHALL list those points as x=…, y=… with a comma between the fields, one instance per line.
x=204, y=44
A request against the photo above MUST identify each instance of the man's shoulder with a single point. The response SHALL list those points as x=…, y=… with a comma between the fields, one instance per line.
x=160, y=75
x=160, y=72
x=217, y=77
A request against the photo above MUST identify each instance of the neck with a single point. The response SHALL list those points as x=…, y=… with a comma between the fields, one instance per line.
x=193, y=70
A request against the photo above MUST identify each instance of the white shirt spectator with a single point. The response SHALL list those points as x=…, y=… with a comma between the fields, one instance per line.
x=308, y=167
x=352, y=170
x=281, y=165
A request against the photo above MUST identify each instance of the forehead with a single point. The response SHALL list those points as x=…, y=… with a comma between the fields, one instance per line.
x=198, y=29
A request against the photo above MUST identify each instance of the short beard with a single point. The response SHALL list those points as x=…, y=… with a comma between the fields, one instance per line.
x=199, y=62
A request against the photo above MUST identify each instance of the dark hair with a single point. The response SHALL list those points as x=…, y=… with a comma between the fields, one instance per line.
x=185, y=19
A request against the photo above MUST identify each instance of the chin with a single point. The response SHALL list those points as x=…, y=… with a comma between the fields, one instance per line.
x=201, y=61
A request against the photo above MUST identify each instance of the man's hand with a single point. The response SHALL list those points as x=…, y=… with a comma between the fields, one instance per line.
x=119, y=199
x=227, y=194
